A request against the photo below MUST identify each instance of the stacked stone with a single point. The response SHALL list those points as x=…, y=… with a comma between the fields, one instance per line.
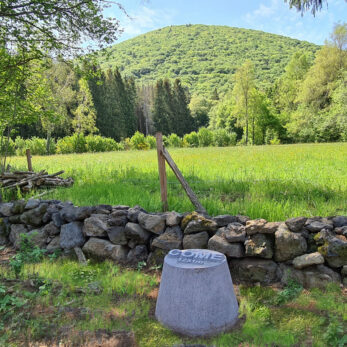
x=313, y=251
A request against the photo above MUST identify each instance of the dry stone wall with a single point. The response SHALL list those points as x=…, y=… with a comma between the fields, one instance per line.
x=313, y=251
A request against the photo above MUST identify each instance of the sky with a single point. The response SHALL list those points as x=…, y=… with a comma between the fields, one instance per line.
x=273, y=16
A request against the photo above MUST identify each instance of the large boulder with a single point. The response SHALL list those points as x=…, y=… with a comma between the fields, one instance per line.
x=315, y=225
x=219, y=244
x=339, y=221
x=32, y=203
x=195, y=223
x=117, y=235
x=18, y=207
x=151, y=222
x=95, y=226
x=306, y=260
x=255, y=226
x=170, y=239
x=38, y=237
x=316, y=276
x=234, y=232
x=54, y=245
x=252, y=270
x=72, y=213
x=136, y=233
x=16, y=231
x=288, y=245
x=51, y=229
x=224, y=220
x=134, y=212
x=34, y=216
x=195, y=241
x=71, y=235
x=103, y=249
x=296, y=224
x=118, y=218
x=259, y=245
x=173, y=218
x=334, y=251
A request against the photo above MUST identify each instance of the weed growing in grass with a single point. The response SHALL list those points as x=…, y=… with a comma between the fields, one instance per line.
x=28, y=253
x=292, y=290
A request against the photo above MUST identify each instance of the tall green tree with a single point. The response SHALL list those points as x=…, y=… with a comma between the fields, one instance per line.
x=161, y=108
x=182, y=118
x=85, y=114
x=243, y=88
x=312, y=121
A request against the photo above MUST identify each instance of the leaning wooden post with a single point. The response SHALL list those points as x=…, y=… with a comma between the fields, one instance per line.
x=30, y=167
x=191, y=195
x=162, y=172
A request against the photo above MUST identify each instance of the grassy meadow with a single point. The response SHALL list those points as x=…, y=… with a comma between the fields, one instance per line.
x=271, y=182
x=62, y=303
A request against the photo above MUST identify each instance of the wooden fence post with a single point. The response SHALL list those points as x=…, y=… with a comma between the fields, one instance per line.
x=191, y=195
x=30, y=167
x=162, y=171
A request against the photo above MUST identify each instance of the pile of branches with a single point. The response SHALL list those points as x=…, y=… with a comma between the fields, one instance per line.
x=28, y=180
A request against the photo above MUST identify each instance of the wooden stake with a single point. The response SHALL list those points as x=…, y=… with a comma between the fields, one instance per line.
x=191, y=195
x=162, y=172
x=30, y=167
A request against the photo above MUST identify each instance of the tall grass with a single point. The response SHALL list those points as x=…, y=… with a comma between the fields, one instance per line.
x=272, y=182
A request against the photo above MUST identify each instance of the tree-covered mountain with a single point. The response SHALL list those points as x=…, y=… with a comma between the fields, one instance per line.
x=204, y=57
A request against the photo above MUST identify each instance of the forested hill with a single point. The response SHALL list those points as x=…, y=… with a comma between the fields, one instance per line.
x=204, y=57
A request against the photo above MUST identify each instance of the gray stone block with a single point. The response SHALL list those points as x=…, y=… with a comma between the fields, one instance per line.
x=196, y=295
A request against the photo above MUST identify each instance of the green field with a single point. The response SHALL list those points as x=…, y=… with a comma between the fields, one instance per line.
x=272, y=182
x=60, y=301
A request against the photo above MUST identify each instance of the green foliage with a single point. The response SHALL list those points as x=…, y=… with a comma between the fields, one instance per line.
x=203, y=56
x=335, y=334
x=191, y=140
x=97, y=143
x=28, y=253
x=138, y=141
x=291, y=291
x=222, y=138
x=175, y=141
x=7, y=147
x=72, y=144
x=152, y=142
x=205, y=137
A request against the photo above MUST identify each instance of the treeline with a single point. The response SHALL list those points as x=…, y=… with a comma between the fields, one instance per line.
x=79, y=143
x=308, y=103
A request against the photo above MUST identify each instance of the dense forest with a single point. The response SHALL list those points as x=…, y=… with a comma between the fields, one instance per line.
x=204, y=57
x=249, y=86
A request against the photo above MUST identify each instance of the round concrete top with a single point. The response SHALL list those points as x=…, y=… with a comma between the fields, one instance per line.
x=194, y=258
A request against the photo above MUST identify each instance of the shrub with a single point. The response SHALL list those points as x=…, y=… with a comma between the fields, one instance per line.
x=10, y=149
x=37, y=146
x=271, y=137
x=72, y=144
x=138, y=141
x=166, y=141
x=125, y=144
x=175, y=141
x=221, y=138
x=191, y=140
x=97, y=143
x=205, y=137
x=152, y=142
